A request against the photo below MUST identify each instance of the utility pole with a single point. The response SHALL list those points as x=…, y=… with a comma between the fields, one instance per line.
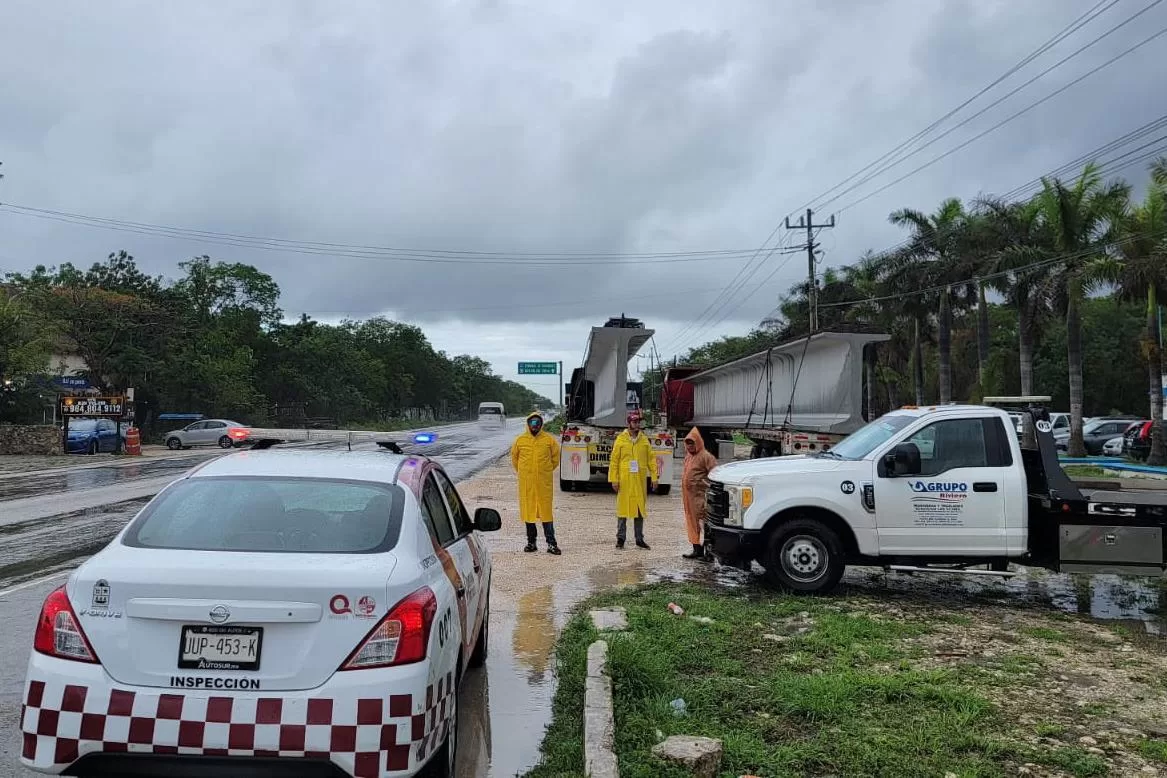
x=812, y=292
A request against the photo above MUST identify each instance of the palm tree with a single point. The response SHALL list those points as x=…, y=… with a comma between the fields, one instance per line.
x=1081, y=218
x=1140, y=273
x=1017, y=241
x=935, y=257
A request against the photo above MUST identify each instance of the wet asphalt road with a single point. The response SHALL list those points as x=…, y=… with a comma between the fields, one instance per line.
x=51, y=521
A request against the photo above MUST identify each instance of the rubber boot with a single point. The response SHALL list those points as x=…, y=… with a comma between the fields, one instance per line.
x=698, y=552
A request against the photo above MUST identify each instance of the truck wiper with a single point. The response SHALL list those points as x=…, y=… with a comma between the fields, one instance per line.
x=830, y=454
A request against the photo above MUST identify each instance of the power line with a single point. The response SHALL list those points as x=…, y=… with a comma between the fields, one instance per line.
x=1005, y=121
x=1146, y=129
x=997, y=102
x=1073, y=27
x=751, y=268
x=736, y=284
x=357, y=251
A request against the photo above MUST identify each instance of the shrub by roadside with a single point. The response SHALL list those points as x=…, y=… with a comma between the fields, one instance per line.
x=857, y=685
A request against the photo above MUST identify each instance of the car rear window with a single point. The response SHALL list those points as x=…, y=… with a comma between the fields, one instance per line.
x=277, y=515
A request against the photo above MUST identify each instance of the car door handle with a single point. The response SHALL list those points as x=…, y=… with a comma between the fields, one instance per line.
x=984, y=486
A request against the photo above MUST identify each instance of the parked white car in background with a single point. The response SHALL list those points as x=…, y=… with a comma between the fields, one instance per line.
x=303, y=610
x=208, y=432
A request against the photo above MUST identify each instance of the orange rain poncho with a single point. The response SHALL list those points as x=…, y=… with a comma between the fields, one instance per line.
x=694, y=482
x=535, y=458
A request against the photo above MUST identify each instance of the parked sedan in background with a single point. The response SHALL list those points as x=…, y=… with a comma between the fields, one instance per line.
x=89, y=436
x=208, y=432
x=1096, y=434
x=1113, y=447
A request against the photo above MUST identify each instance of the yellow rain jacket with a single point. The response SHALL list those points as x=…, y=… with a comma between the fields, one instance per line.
x=535, y=458
x=631, y=466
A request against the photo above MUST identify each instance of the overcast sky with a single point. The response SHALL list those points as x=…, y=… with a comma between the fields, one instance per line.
x=523, y=127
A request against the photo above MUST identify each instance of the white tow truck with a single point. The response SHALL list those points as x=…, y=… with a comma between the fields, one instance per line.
x=929, y=489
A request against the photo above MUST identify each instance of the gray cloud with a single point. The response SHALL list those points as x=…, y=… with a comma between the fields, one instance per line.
x=507, y=126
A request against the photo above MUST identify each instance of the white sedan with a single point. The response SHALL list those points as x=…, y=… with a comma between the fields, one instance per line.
x=306, y=610
x=1113, y=447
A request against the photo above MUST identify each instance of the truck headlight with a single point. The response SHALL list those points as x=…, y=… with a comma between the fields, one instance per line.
x=740, y=499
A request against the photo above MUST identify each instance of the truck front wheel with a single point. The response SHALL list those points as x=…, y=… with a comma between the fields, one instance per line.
x=804, y=556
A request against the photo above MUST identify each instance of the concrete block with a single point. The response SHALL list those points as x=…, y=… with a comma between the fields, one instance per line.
x=699, y=755
x=615, y=619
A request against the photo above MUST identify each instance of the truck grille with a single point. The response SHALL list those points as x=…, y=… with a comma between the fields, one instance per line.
x=717, y=503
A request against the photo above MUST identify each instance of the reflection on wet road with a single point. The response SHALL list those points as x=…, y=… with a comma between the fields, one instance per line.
x=78, y=478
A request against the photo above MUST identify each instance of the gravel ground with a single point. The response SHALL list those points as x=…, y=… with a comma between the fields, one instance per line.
x=585, y=528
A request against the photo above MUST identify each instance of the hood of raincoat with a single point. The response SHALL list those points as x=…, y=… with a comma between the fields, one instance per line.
x=698, y=442
x=534, y=415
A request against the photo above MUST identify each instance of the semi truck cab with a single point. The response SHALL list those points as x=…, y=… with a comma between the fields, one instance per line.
x=928, y=489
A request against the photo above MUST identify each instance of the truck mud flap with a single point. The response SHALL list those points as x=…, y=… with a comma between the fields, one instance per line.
x=1100, y=548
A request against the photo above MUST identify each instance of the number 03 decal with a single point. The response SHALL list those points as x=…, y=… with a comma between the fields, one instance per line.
x=444, y=628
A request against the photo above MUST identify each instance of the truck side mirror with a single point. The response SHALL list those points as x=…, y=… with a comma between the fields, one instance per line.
x=904, y=459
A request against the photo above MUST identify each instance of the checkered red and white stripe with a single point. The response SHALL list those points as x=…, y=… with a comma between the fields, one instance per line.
x=365, y=736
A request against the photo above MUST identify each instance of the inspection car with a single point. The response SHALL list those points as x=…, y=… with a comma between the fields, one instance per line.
x=300, y=612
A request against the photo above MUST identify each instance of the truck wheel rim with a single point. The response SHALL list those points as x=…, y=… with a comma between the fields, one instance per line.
x=804, y=558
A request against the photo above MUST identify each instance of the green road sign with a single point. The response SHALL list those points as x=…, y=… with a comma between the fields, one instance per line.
x=538, y=368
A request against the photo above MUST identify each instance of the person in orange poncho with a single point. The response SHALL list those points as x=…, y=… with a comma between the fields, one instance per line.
x=694, y=482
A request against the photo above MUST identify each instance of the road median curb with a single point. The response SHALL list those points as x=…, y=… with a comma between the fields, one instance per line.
x=599, y=718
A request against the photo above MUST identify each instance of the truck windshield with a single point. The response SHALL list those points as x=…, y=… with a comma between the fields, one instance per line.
x=861, y=443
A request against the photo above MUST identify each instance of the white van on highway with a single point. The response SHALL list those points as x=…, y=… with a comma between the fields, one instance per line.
x=492, y=414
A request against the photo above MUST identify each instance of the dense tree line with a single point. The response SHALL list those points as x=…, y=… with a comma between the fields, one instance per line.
x=216, y=342
x=1055, y=294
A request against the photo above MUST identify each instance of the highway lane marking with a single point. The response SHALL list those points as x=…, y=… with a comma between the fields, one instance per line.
x=35, y=582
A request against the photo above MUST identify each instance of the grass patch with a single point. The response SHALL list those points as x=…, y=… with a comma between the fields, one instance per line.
x=1073, y=760
x=1046, y=633
x=1085, y=471
x=1153, y=749
x=836, y=694
x=1050, y=730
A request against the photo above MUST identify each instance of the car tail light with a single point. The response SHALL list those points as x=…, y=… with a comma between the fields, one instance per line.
x=400, y=638
x=58, y=632
x=238, y=433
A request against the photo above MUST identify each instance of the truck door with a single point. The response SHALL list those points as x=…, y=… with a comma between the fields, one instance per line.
x=956, y=504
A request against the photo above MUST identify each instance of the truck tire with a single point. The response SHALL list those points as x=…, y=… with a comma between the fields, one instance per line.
x=566, y=486
x=663, y=489
x=804, y=556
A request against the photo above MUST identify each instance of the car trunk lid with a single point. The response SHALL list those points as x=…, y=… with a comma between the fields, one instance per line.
x=240, y=620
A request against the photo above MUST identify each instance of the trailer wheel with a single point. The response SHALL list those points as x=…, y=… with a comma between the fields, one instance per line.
x=566, y=485
x=663, y=489
x=804, y=556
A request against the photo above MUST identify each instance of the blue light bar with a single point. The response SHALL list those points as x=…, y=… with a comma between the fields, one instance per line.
x=425, y=437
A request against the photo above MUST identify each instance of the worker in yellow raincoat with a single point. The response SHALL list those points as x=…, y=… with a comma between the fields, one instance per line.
x=535, y=456
x=630, y=468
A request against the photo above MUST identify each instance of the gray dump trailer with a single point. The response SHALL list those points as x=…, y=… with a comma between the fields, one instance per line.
x=798, y=397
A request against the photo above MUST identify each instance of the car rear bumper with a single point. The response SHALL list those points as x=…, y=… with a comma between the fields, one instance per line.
x=733, y=543
x=379, y=722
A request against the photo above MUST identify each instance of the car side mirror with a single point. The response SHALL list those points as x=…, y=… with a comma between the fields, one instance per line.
x=904, y=459
x=487, y=520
